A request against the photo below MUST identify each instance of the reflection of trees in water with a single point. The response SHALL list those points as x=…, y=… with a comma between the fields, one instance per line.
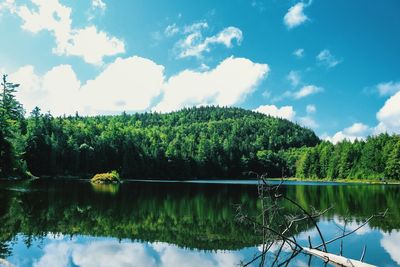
x=188, y=215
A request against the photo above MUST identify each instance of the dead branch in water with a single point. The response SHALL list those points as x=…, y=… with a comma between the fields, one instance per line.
x=276, y=230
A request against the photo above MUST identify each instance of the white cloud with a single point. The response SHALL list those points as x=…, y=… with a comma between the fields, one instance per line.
x=93, y=45
x=195, y=27
x=171, y=30
x=311, y=109
x=306, y=91
x=309, y=122
x=299, y=53
x=227, y=84
x=389, y=116
x=285, y=112
x=388, y=88
x=194, y=44
x=357, y=131
x=8, y=5
x=390, y=242
x=133, y=84
x=295, y=15
x=54, y=17
x=326, y=58
x=57, y=90
x=99, y=4
x=126, y=84
x=357, y=128
x=294, y=77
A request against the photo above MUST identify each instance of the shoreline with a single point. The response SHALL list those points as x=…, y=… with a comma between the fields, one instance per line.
x=219, y=180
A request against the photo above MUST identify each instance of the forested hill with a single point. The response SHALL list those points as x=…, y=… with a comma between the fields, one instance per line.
x=205, y=142
x=202, y=142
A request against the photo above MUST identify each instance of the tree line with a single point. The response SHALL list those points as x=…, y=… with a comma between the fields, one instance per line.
x=203, y=142
x=377, y=157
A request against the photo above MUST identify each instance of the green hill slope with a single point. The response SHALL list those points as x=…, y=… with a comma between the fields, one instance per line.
x=207, y=142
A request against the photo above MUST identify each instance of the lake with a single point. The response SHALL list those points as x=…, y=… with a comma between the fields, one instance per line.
x=50, y=222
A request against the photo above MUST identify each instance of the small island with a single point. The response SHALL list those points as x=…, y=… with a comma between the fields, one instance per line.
x=106, y=178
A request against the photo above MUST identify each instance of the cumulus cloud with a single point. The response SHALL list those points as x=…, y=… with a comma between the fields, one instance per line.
x=388, y=88
x=285, y=112
x=89, y=43
x=306, y=91
x=356, y=131
x=128, y=84
x=56, y=91
x=295, y=15
x=135, y=84
x=299, y=53
x=194, y=44
x=326, y=58
x=227, y=84
x=389, y=116
x=357, y=128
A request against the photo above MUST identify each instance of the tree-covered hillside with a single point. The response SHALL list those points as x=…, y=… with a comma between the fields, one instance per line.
x=196, y=142
x=204, y=142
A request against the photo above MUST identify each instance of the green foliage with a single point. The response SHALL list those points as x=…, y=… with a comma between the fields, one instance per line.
x=392, y=170
x=196, y=142
x=205, y=142
x=12, y=127
x=106, y=178
x=377, y=157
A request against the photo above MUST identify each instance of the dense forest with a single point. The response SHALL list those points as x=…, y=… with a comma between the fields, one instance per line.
x=203, y=142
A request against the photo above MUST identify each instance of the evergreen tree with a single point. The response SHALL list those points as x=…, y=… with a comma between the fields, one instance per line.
x=11, y=122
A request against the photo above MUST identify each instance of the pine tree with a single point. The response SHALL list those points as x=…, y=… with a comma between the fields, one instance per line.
x=11, y=116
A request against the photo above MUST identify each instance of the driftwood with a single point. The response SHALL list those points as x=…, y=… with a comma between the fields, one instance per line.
x=271, y=234
x=335, y=259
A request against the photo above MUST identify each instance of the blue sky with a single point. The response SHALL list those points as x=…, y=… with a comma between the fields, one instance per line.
x=332, y=66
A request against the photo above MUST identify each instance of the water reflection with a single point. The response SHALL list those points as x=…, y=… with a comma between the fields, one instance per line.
x=391, y=243
x=96, y=252
x=111, y=189
x=171, y=224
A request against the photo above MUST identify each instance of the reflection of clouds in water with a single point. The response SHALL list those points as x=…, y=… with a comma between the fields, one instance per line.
x=55, y=254
x=391, y=243
x=275, y=247
x=352, y=225
x=114, y=253
x=312, y=233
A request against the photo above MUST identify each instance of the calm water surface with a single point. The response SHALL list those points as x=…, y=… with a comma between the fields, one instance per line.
x=73, y=223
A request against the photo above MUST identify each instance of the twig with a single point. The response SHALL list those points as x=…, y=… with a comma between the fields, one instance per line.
x=382, y=215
